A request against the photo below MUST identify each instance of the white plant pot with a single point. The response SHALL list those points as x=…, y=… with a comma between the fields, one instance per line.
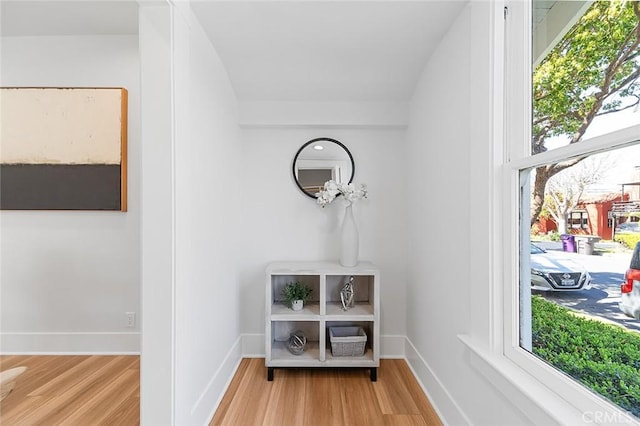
x=297, y=305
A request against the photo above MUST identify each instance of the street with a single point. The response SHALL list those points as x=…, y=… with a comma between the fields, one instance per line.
x=601, y=301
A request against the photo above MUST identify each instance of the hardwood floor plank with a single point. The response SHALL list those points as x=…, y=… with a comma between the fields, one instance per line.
x=249, y=409
x=129, y=409
x=12, y=415
x=287, y=407
x=393, y=395
x=59, y=404
x=100, y=407
x=276, y=391
x=319, y=397
x=223, y=407
x=404, y=420
x=419, y=398
x=69, y=378
x=73, y=390
x=360, y=406
x=324, y=385
x=105, y=390
x=39, y=370
x=43, y=368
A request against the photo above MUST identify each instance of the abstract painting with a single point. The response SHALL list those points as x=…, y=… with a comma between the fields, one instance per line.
x=63, y=148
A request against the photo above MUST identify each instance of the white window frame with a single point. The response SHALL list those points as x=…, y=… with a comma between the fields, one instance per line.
x=557, y=387
x=583, y=217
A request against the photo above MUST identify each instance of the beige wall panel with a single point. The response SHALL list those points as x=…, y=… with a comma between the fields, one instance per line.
x=60, y=126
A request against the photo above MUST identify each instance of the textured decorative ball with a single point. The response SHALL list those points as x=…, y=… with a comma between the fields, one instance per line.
x=297, y=342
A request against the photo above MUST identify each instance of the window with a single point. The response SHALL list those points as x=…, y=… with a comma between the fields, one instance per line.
x=579, y=220
x=584, y=115
x=555, y=282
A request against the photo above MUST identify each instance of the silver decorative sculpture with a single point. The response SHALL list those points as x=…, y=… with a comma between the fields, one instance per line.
x=347, y=294
x=297, y=342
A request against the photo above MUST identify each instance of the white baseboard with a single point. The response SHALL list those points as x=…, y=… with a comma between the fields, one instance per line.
x=448, y=410
x=202, y=412
x=391, y=346
x=58, y=343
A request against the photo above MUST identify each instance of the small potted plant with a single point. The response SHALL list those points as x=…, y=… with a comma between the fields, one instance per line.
x=295, y=294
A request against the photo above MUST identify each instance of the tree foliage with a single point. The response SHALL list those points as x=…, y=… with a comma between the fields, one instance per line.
x=565, y=189
x=592, y=71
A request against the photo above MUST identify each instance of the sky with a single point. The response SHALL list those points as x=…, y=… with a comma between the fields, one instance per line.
x=623, y=161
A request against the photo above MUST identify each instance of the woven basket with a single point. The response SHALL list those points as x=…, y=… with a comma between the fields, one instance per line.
x=347, y=341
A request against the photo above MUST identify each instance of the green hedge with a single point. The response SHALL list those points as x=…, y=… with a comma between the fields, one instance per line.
x=629, y=240
x=603, y=357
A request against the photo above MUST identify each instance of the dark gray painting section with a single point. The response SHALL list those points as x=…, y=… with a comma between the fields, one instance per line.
x=59, y=187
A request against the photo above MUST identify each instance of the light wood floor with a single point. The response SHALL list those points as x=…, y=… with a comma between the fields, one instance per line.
x=323, y=397
x=73, y=390
x=105, y=390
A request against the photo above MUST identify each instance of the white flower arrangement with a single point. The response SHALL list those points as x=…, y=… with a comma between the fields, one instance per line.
x=350, y=192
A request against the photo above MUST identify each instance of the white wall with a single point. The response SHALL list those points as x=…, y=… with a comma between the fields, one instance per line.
x=281, y=223
x=445, y=280
x=157, y=260
x=207, y=224
x=67, y=278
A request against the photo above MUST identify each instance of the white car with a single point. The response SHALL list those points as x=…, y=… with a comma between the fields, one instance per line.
x=557, y=271
x=628, y=228
x=630, y=289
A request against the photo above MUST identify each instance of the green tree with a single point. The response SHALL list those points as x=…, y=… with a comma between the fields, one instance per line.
x=592, y=71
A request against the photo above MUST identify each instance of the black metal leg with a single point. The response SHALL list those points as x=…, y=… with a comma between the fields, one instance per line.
x=374, y=374
x=270, y=374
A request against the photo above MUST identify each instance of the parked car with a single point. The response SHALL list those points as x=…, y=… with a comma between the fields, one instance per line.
x=630, y=289
x=557, y=271
x=628, y=228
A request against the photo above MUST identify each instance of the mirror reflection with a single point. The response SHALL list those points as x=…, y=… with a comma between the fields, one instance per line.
x=320, y=160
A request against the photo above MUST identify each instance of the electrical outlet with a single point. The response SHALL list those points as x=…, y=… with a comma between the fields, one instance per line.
x=131, y=319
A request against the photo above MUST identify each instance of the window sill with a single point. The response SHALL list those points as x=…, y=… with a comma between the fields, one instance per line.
x=539, y=402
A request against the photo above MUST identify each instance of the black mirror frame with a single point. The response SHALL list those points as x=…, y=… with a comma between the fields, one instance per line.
x=295, y=159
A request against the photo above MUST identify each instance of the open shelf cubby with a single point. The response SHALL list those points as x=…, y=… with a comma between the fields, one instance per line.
x=323, y=310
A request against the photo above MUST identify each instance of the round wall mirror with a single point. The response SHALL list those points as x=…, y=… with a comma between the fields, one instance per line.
x=320, y=160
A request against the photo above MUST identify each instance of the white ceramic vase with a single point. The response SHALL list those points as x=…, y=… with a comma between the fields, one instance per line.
x=297, y=305
x=349, y=240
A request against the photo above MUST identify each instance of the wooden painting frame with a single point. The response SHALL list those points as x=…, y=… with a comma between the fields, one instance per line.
x=63, y=148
